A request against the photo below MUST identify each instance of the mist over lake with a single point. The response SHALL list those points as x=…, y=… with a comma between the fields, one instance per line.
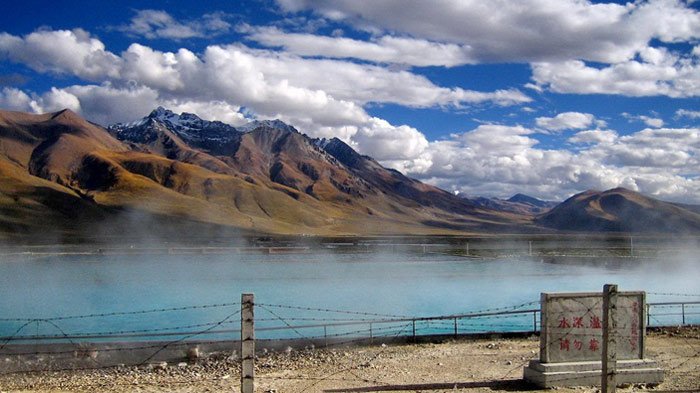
x=397, y=284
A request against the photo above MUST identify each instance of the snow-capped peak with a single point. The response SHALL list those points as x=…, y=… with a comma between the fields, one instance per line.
x=274, y=124
x=191, y=128
x=187, y=126
x=161, y=113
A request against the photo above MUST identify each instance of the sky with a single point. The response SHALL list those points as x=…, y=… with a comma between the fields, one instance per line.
x=481, y=98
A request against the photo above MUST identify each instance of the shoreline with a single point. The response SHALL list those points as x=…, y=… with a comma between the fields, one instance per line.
x=488, y=364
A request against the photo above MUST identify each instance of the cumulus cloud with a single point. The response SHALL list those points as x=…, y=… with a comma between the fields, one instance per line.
x=154, y=24
x=594, y=137
x=385, y=142
x=385, y=49
x=73, y=52
x=274, y=82
x=631, y=78
x=648, y=120
x=358, y=83
x=530, y=30
x=53, y=100
x=15, y=99
x=565, y=121
x=502, y=160
x=561, y=39
x=690, y=114
x=210, y=110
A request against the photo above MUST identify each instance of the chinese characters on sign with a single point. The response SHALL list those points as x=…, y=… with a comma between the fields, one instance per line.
x=572, y=326
x=592, y=344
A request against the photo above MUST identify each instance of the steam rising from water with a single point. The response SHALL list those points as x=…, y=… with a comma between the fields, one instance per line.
x=384, y=281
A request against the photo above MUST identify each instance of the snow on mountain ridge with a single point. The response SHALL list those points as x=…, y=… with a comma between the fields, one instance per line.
x=186, y=124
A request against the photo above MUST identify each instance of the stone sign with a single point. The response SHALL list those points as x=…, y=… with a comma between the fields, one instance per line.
x=571, y=341
x=572, y=326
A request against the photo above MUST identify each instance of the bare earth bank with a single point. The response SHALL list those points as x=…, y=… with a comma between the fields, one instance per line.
x=453, y=366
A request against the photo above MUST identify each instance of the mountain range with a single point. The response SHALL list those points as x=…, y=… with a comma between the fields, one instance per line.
x=173, y=175
x=518, y=203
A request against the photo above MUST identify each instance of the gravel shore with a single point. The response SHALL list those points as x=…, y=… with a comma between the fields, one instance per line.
x=451, y=366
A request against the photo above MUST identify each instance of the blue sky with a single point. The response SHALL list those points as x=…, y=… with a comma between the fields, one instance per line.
x=543, y=97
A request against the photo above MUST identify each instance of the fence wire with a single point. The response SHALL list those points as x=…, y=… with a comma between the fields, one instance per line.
x=318, y=330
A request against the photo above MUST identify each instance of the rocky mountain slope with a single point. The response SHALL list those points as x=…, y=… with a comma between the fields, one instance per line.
x=168, y=171
x=179, y=176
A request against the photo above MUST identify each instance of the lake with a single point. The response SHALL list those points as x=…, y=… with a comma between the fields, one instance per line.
x=386, y=284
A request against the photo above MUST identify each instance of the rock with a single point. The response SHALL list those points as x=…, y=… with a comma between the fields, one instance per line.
x=160, y=366
x=193, y=353
x=182, y=365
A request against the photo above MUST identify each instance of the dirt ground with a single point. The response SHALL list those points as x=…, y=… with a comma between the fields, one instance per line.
x=462, y=365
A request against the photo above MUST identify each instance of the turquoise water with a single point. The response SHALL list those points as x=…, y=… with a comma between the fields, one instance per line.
x=413, y=285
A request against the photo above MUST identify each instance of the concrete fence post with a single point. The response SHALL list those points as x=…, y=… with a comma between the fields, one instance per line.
x=609, y=356
x=683, y=313
x=534, y=321
x=247, y=343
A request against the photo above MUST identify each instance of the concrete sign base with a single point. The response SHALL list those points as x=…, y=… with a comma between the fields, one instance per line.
x=548, y=375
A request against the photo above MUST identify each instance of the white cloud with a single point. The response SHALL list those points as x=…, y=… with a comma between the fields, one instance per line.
x=106, y=104
x=211, y=110
x=154, y=24
x=503, y=160
x=62, y=52
x=53, y=100
x=382, y=141
x=594, y=137
x=15, y=100
x=631, y=78
x=152, y=68
x=688, y=113
x=529, y=30
x=562, y=39
x=386, y=49
x=648, y=120
x=565, y=121
x=269, y=83
x=357, y=83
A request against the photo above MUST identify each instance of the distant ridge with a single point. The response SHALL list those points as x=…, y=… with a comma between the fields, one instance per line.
x=528, y=200
x=519, y=203
x=620, y=210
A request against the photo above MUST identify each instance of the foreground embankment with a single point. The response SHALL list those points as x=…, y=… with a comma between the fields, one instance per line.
x=489, y=365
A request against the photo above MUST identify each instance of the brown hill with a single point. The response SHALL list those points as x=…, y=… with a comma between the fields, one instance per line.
x=620, y=210
x=63, y=175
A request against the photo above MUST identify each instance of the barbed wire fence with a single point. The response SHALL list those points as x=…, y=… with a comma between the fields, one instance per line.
x=63, y=343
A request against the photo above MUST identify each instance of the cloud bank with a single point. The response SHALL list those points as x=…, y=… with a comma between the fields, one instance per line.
x=325, y=85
